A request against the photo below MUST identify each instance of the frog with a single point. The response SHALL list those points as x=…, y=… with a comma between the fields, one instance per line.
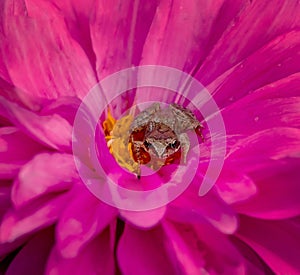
x=160, y=133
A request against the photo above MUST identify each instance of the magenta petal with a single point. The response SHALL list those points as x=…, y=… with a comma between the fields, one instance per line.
x=84, y=218
x=202, y=249
x=285, y=142
x=233, y=186
x=52, y=130
x=144, y=218
x=193, y=20
x=191, y=208
x=5, y=202
x=248, y=33
x=37, y=215
x=253, y=263
x=222, y=257
x=34, y=255
x=111, y=36
x=278, y=192
x=186, y=248
x=275, y=105
x=277, y=242
x=50, y=67
x=65, y=107
x=46, y=173
x=13, y=153
x=145, y=252
x=95, y=258
x=274, y=61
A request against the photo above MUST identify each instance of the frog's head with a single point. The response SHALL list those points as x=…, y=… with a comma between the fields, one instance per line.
x=161, y=149
x=161, y=141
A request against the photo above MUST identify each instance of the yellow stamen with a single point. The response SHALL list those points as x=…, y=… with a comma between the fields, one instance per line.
x=117, y=137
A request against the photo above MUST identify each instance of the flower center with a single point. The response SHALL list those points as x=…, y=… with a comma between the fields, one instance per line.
x=154, y=138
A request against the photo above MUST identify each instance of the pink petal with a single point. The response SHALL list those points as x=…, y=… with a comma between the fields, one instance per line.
x=13, y=153
x=203, y=249
x=278, y=192
x=5, y=202
x=46, y=173
x=52, y=130
x=145, y=252
x=275, y=105
x=37, y=215
x=199, y=23
x=285, y=142
x=66, y=107
x=95, y=258
x=186, y=248
x=118, y=32
x=192, y=208
x=253, y=263
x=50, y=67
x=14, y=94
x=233, y=186
x=76, y=15
x=261, y=114
x=221, y=255
x=33, y=256
x=247, y=34
x=12, y=7
x=83, y=219
x=144, y=219
x=274, y=61
x=285, y=87
x=277, y=242
x=182, y=17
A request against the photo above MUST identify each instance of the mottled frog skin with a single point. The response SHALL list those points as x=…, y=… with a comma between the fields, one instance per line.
x=160, y=133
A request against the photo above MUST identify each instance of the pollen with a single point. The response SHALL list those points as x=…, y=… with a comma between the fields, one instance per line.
x=117, y=138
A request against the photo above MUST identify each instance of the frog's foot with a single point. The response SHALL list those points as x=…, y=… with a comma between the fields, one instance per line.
x=185, y=145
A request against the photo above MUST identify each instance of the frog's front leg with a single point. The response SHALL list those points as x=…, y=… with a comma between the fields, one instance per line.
x=185, y=145
x=186, y=120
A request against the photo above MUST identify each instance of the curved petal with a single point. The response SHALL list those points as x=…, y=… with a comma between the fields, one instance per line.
x=275, y=241
x=248, y=33
x=276, y=60
x=5, y=202
x=278, y=192
x=144, y=219
x=33, y=217
x=253, y=262
x=13, y=153
x=118, y=31
x=48, y=68
x=200, y=23
x=192, y=208
x=186, y=248
x=254, y=151
x=138, y=252
x=83, y=219
x=46, y=173
x=52, y=130
x=203, y=248
x=251, y=115
x=234, y=186
x=33, y=256
x=95, y=258
x=76, y=15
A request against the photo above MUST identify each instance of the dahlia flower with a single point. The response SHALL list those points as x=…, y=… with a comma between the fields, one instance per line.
x=247, y=56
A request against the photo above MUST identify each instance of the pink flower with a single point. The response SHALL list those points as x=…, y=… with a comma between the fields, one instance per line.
x=246, y=53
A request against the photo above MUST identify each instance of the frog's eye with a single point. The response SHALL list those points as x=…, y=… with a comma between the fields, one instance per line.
x=147, y=144
x=174, y=144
